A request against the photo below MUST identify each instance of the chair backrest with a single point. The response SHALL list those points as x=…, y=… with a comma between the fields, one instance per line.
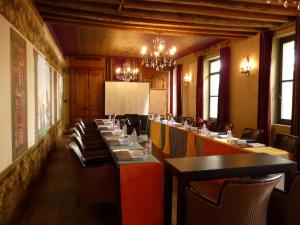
x=79, y=127
x=78, y=140
x=77, y=153
x=293, y=204
x=288, y=143
x=81, y=122
x=212, y=125
x=75, y=130
x=252, y=134
x=245, y=202
x=189, y=120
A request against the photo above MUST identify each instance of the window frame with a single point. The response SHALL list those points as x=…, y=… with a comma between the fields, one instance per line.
x=209, y=77
x=280, y=81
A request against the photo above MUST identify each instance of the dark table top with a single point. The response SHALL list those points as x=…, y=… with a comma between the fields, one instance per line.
x=220, y=166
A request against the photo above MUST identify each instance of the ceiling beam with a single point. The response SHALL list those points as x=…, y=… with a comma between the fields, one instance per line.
x=207, y=11
x=150, y=23
x=157, y=30
x=236, y=5
x=167, y=17
x=121, y=5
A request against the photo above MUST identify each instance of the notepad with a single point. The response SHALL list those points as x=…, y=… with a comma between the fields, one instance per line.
x=126, y=154
x=256, y=145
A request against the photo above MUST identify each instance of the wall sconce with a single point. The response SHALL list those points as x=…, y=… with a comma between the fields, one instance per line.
x=187, y=78
x=246, y=65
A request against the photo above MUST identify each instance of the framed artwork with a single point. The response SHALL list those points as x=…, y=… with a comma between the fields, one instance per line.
x=42, y=95
x=60, y=91
x=18, y=94
x=55, y=94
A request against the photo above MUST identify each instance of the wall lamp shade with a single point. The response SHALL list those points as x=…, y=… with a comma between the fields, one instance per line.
x=187, y=78
x=246, y=65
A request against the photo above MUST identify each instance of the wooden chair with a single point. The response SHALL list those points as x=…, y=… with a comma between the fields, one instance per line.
x=240, y=202
x=284, y=207
x=290, y=144
x=98, y=179
x=252, y=134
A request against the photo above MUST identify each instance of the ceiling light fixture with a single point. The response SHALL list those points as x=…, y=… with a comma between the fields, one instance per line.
x=126, y=73
x=287, y=3
x=159, y=57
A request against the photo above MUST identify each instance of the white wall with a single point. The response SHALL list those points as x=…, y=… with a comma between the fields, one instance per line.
x=5, y=96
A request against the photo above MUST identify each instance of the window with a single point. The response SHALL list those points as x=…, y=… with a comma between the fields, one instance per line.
x=286, y=76
x=214, y=78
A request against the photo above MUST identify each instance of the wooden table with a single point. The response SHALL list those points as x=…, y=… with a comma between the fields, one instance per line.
x=217, y=167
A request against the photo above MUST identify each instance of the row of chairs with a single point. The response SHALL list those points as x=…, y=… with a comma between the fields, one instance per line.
x=289, y=143
x=94, y=163
x=245, y=202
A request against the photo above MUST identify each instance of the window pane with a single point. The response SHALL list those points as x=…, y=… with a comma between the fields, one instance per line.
x=214, y=85
x=286, y=100
x=288, y=58
x=213, y=107
x=215, y=66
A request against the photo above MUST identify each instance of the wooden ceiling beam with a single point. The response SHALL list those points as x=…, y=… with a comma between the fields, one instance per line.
x=53, y=16
x=156, y=23
x=121, y=5
x=236, y=5
x=167, y=17
x=169, y=32
x=207, y=11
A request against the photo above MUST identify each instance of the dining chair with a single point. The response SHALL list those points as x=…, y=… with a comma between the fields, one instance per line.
x=290, y=144
x=90, y=150
x=252, y=134
x=240, y=202
x=98, y=179
x=284, y=207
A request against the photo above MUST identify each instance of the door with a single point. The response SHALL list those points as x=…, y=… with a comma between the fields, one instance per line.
x=87, y=94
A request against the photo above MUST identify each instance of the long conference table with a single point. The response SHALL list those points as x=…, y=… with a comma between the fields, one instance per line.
x=175, y=141
x=141, y=183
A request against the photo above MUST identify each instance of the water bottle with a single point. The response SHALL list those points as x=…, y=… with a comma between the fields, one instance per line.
x=229, y=135
x=134, y=135
x=204, y=129
x=172, y=121
x=124, y=128
x=109, y=117
x=118, y=124
x=185, y=125
x=114, y=120
x=148, y=148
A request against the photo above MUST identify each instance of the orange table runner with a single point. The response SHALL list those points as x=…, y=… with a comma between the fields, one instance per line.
x=212, y=147
x=142, y=194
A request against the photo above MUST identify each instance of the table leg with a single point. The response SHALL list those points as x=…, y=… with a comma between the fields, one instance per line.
x=288, y=178
x=180, y=202
x=168, y=197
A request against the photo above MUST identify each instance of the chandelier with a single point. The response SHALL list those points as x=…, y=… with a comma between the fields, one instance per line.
x=159, y=57
x=287, y=3
x=126, y=73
